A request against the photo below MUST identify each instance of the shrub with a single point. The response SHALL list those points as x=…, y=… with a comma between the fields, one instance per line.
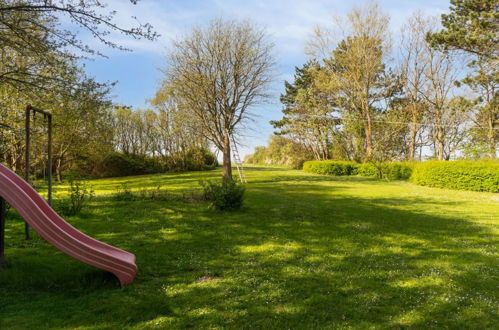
x=398, y=170
x=464, y=175
x=224, y=195
x=80, y=193
x=330, y=167
x=193, y=159
x=118, y=164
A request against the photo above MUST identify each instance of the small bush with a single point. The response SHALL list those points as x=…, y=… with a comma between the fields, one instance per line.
x=398, y=170
x=330, y=167
x=224, y=195
x=464, y=175
x=80, y=193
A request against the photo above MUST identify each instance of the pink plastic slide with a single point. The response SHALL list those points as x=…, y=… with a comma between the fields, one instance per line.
x=49, y=225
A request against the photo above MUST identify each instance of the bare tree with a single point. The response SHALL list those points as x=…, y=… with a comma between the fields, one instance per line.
x=446, y=114
x=414, y=63
x=220, y=71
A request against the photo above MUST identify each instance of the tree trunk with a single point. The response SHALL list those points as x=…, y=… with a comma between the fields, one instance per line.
x=413, y=136
x=440, y=144
x=227, y=165
x=58, y=170
x=492, y=139
x=369, y=136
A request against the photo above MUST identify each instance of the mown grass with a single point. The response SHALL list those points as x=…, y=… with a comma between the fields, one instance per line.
x=306, y=251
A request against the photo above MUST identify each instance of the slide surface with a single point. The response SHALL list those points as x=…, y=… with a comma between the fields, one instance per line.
x=55, y=230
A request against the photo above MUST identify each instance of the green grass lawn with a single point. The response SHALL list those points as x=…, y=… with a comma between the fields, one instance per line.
x=306, y=251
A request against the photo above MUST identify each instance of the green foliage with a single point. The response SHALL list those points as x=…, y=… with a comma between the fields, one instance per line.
x=80, y=193
x=330, y=167
x=224, y=195
x=398, y=170
x=280, y=151
x=463, y=175
x=471, y=26
x=366, y=169
x=388, y=170
x=194, y=159
x=119, y=164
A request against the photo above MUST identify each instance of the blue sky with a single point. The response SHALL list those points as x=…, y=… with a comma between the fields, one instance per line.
x=288, y=23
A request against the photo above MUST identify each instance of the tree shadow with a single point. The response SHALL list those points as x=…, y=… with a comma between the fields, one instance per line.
x=291, y=258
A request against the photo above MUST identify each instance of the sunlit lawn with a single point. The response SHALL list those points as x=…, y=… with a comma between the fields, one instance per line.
x=307, y=251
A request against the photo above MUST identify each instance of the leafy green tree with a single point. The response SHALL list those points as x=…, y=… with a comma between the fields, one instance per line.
x=307, y=114
x=471, y=26
x=484, y=81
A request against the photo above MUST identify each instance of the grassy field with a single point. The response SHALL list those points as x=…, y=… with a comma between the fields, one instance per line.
x=306, y=251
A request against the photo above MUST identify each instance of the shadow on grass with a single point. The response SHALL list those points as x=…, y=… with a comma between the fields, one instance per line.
x=289, y=259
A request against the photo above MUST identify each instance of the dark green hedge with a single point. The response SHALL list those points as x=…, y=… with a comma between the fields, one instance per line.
x=119, y=164
x=464, y=175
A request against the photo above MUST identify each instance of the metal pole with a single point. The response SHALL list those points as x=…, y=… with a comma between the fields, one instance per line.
x=27, y=165
x=3, y=210
x=49, y=121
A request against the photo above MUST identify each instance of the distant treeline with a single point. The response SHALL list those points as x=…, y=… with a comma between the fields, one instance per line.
x=360, y=100
x=108, y=141
x=41, y=65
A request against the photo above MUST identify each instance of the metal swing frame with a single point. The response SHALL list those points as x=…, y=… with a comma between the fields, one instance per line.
x=48, y=116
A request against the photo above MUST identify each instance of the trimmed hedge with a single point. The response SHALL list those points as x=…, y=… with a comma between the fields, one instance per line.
x=366, y=169
x=464, y=175
x=392, y=171
x=330, y=167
